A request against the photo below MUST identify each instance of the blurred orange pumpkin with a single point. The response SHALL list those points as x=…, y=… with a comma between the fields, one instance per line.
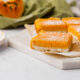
x=11, y=8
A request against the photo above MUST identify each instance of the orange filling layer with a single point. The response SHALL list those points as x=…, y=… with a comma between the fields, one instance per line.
x=50, y=24
x=52, y=40
x=74, y=30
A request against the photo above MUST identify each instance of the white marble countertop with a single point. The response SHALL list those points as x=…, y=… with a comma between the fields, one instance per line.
x=15, y=65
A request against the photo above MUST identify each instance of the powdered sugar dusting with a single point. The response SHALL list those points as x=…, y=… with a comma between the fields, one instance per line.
x=53, y=22
x=73, y=21
x=5, y=0
x=78, y=29
x=54, y=36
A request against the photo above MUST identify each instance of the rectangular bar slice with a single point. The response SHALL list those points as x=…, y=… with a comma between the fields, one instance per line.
x=52, y=42
x=71, y=20
x=74, y=30
x=50, y=24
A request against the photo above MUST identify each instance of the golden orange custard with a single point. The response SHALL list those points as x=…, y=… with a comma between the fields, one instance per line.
x=75, y=31
x=71, y=20
x=50, y=24
x=52, y=41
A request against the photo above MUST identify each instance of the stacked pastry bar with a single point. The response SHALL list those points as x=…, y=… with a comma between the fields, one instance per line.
x=50, y=24
x=74, y=30
x=52, y=36
x=51, y=42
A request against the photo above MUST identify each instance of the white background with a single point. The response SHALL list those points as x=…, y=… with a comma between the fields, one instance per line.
x=15, y=65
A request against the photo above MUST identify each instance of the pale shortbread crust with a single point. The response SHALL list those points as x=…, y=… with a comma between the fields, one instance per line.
x=50, y=50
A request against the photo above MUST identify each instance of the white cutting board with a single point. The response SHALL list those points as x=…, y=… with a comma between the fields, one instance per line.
x=21, y=42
